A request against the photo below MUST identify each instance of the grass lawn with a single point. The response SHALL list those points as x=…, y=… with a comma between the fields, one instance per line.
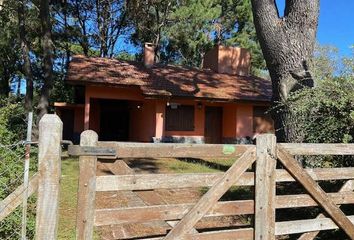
x=186, y=165
x=69, y=181
x=207, y=166
x=68, y=198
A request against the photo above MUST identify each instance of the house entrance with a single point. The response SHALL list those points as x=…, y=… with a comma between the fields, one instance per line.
x=67, y=116
x=114, y=120
x=213, y=124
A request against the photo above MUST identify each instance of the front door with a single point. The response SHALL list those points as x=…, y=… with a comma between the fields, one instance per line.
x=213, y=124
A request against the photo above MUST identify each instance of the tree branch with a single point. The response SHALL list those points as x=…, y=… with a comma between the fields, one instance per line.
x=268, y=6
x=297, y=10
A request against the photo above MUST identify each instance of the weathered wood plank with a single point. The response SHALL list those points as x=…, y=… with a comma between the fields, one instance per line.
x=318, y=148
x=265, y=187
x=147, y=198
x=87, y=189
x=204, y=225
x=115, y=216
x=161, y=181
x=49, y=171
x=309, y=225
x=316, y=191
x=138, y=150
x=240, y=234
x=212, y=196
x=347, y=187
x=175, y=150
x=75, y=150
x=11, y=202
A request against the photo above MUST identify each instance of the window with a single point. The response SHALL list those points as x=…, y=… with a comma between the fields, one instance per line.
x=262, y=121
x=180, y=118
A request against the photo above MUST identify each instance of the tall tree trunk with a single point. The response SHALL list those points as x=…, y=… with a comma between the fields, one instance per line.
x=287, y=44
x=47, y=49
x=66, y=34
x=25, y=56
x=103, y=19
x=5, y=83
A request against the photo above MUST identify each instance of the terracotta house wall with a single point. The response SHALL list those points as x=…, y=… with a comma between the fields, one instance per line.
x=230, y=60
x=148, y=120
x=135, y=124
x=244, y=120
x=233, y=60
x=148, y=123
x=229, y=121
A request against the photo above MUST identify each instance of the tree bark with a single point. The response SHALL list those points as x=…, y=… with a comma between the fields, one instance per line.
x=47, y=49
x=5, y=83
x=25, y=56
x=287, y=44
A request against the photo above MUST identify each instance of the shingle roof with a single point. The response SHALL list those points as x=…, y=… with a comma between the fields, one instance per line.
x=167, y=80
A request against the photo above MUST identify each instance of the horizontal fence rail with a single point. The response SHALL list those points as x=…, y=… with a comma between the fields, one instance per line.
x=181, y=150
x=173, y=150
x=190, y=180
x=226, y=208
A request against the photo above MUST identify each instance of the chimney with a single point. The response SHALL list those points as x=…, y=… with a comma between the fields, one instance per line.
x=230, y=60
x=149, y=54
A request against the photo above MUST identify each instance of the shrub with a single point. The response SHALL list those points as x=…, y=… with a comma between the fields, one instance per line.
x=12, y=129
x=324, y=114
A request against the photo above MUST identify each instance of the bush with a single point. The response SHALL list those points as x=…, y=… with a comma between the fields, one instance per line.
x=324, y=114
x=12, y=129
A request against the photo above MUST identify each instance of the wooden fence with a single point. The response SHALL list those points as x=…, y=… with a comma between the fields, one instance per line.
x=182, y=218
x=255, y=166
x=44, y=183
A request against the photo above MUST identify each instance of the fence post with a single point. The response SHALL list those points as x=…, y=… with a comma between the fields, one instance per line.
x=49, y=170
x=87, y=189
x=265, y=187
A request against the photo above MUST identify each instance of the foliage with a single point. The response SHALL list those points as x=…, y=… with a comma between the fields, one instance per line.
x=12, y=129
x=185, y=30
x=191, y=34
x=93, y=24
x=9, y=50
x=325, y=114
x=239, y=30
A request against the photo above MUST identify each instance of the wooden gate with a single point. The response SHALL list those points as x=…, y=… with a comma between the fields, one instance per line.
x=182, y=218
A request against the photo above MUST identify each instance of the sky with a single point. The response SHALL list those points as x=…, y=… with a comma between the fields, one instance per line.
x=336, y=24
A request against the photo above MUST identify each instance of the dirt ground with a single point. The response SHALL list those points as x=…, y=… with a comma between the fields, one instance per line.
x=119, y=199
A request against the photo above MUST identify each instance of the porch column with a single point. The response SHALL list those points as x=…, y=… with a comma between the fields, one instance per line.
x=159, y=119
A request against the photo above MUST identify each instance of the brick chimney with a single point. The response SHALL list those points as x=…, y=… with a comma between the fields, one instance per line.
x=231, y=60
x=149, y=54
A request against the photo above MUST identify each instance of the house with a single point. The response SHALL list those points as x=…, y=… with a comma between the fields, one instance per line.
x=145, y=102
